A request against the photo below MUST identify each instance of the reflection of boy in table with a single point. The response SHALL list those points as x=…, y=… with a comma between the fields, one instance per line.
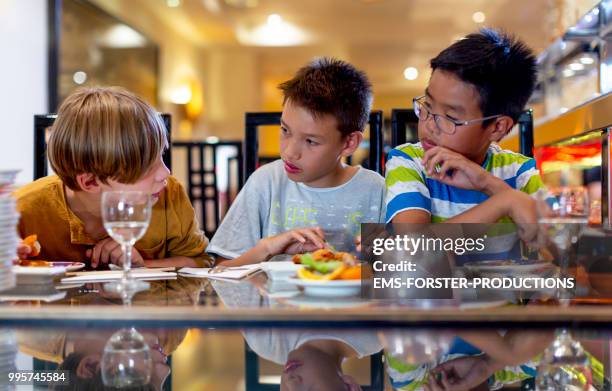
x=474, y=358
x=107, y=139
x=80, y=352
x=287, y=205
x=313, y=359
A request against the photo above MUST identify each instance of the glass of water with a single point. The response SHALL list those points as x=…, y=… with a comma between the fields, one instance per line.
x=126, y=361
x=563, y=219
x=126, y=216
x=564, y=365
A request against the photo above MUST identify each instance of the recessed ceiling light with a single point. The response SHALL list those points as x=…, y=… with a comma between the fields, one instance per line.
x=411, y=73
x=79, y=77
x=568, y=73
x=576, y=66
x=275, y=32
x=173, y=3
x=587, y=60
x=479, y=17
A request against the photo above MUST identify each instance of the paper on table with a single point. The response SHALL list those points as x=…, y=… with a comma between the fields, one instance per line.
x=134, y=271
x=231, y=273
x=116, y=275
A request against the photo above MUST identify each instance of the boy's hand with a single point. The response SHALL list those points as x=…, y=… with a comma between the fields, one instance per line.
x=295, y=241
x=460, y=374
x=107, y=250
x=456, y=170
x=522, y=210
x=28, y=247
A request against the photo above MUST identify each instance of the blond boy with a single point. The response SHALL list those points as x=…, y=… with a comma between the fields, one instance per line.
x=107, y=139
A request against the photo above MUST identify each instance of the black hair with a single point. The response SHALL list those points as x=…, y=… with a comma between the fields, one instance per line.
x=335, y=87
x=499, y=65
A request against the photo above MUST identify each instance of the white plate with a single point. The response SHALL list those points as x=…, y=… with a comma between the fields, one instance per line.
x=69, y=266
x=333, y=288
x=280, y=270
x=518, y=267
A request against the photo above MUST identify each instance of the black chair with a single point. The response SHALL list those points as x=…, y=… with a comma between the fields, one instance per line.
x=525, y=129
x=377, y=379
x=43, y=122
x=251, y=139
x=202, y=185
x=403, y=121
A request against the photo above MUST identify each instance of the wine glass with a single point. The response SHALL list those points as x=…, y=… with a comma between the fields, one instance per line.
x=126, y=361
x=563, y=219
x=126, y=216
x=564, y=365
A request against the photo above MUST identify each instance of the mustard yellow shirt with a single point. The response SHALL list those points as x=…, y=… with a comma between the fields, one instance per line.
x=173, y=230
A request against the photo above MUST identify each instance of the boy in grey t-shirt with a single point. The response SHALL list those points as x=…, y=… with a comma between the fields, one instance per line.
x=295, y=204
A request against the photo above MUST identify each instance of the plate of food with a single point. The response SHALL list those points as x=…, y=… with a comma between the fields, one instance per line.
x=35, y=263
x=509, y=266
x=327, y=273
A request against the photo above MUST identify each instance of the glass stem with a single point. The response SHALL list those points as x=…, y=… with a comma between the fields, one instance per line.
x=127, y=262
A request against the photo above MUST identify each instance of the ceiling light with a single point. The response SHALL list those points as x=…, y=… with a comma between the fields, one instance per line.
x=275, y=32
x=478, y=17
x=212, y=139
x=568, y=73
x=275, y=20
x=411, y=73
x=181, y=95
x=587, y=60
x=79, y=77
x=212, y=6
x=576, y=66
x=122, y=36
x=173, y=3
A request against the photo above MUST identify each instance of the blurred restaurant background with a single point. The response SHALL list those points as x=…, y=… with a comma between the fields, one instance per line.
x=208, y=62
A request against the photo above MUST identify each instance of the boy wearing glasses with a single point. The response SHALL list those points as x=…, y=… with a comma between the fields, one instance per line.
x=457, y=173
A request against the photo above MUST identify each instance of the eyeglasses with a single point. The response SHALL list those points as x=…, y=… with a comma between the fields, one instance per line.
x=443, y=123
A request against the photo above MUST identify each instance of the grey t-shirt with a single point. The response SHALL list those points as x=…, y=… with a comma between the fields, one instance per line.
x=270, y=203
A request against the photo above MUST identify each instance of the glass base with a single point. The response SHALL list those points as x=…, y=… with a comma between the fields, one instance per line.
x=126, y=288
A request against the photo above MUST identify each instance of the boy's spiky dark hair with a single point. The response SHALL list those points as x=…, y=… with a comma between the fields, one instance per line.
x=335, y=87
x=500, y=66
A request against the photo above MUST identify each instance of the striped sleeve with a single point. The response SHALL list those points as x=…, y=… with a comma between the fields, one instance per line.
x=405, y=183
x=528, y=178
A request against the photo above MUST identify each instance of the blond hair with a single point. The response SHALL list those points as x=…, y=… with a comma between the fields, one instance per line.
x=108, y=132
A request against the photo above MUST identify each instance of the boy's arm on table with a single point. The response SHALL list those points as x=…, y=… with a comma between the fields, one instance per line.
x=295, y=241
x=513, y=203
x=519, y=206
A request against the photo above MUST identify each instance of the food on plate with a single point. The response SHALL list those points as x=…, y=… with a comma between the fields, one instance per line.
x=34, y=263
x=32, y=241
x=326, y=264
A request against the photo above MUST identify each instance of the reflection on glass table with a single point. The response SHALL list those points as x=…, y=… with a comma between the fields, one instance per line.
x=326, y=359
